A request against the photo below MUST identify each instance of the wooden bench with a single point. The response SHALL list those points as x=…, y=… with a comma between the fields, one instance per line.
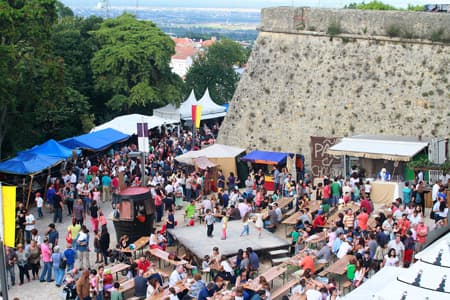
x=318, y=267
x=127, y=288
x=279, y=260
x=323, y=273
x=346, y=285
x=278, y=293
x=278, y=252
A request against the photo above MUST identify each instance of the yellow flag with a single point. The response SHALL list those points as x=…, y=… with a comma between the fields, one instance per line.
x=198, y=113
x=9, y=214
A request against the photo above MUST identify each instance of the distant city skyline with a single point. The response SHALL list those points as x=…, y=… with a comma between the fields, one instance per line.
x=255, y=4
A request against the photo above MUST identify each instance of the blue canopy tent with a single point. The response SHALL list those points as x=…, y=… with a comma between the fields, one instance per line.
x=28, y=163
x=52, y=148
x=267, y=157
x=95, y=141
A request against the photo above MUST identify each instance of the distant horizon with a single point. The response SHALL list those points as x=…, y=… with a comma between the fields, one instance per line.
x=230, y=4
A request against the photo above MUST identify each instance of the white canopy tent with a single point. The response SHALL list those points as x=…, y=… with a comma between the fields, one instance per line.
x=210, y=109
x=183, y=112
x=214, y=151
x=127, y=123
x=425, y=279
x=221, y=155
x=379, y=147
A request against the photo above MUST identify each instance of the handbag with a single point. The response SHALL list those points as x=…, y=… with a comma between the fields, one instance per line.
x=62, y=262
x=69, y=237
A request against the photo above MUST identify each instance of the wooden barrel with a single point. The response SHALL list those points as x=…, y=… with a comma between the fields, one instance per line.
x=135, y=216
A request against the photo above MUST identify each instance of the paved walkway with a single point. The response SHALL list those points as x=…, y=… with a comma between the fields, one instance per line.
x=36, y=290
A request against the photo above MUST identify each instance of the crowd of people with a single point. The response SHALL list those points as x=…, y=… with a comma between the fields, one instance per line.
x=62, y=255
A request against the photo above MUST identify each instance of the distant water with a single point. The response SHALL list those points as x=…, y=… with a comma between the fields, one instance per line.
x=258, y=4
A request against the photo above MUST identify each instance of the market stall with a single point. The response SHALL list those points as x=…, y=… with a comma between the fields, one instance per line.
x=264, y=159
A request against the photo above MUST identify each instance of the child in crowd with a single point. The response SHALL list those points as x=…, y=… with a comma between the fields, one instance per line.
x=245, y=226
x=224, y=227
x=209, y=221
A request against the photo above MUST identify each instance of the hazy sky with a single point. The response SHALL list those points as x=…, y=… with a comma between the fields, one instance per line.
x=235, y=3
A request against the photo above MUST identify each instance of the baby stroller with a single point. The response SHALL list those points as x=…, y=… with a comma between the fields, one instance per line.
x=117, y=255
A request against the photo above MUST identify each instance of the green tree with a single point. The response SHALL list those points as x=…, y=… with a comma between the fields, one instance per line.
x=214, y=70
x=73, y=42
x=27, y=72
x=378, y=5
x=37, y=103
x=131, y=67
x=62, y=10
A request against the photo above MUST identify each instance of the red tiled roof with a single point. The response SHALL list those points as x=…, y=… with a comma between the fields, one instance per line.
x=208, y=43
x=183, y=52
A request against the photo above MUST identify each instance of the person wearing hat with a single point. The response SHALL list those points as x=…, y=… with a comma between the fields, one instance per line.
x=39, y=204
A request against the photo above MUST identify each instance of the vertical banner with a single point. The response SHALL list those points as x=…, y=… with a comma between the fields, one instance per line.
x=9, y=214
x=194, y=114
x=198, y=116
x=143, y=142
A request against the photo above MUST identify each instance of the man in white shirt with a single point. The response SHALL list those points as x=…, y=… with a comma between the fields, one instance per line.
x=30, y=222
x=206, y=203
x=177, y=275
x=169, y=188
x=73, y=178
x=344, y=249
x=435, y=190
x=278, y=212
x=398, y=246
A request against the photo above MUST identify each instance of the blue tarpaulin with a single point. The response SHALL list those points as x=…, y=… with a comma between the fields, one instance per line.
x=52, y=148
x=95, y=141
x=266, y=157
x=27, y=163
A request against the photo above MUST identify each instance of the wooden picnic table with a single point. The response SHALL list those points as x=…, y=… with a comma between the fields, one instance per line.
x=340, y=266
x=316, y=238
x=164, y=255
x=118, y=268
x=138, y=245
x=270, y=275
x=283, y=202
x=165, y=294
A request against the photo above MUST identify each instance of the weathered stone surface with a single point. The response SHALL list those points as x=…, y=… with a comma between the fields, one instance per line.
x=309, y=84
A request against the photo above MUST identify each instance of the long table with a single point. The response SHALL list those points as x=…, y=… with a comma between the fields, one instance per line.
x=118, y=268
x=164, y=255
x=340, y=266
x=293, y=219
x=138, y=245
x=165, y=294
x=270, y=275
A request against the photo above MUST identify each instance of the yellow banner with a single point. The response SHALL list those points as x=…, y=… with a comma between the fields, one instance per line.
x=198, y=113
x=9, y=214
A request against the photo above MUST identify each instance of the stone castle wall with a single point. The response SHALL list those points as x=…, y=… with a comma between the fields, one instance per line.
x=300, y=84
x=352, y=21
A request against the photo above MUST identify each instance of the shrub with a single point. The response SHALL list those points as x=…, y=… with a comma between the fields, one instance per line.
x=334, y=28
x=436, y=35
x=393, y=31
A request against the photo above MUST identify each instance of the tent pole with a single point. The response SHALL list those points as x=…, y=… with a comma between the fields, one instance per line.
x=29, y=191
x=46, y=184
